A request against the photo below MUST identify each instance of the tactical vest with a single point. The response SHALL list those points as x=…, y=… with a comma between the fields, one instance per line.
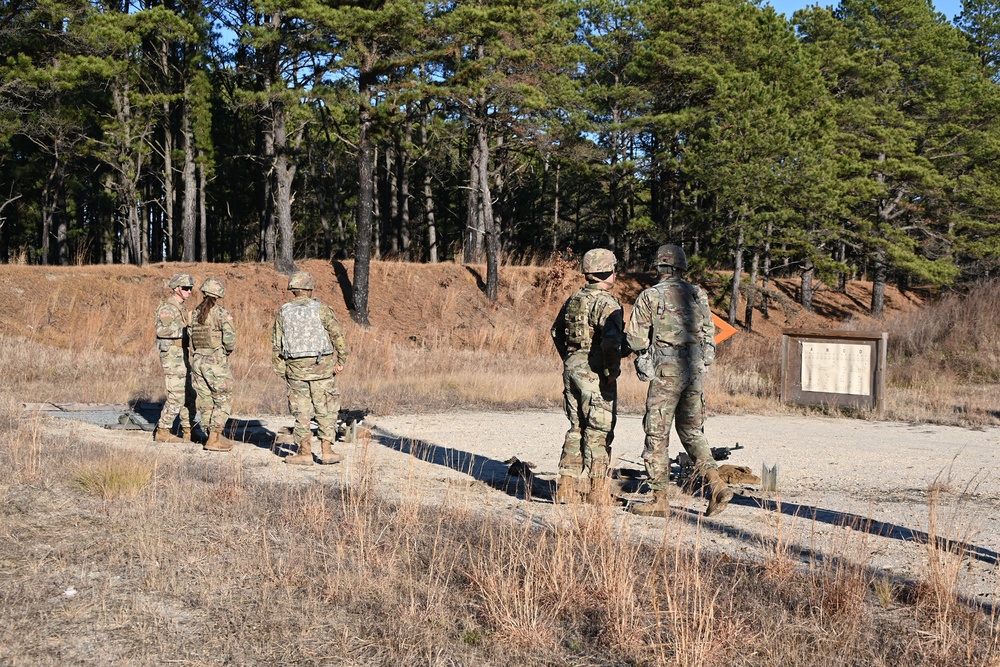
x=302, y=331
x=677, y=321
x=579, y=333
x=206, y=336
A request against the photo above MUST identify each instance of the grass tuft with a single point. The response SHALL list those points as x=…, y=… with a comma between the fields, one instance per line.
x=117, y=475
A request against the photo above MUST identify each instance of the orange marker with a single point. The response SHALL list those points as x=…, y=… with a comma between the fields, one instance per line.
x=725, y=331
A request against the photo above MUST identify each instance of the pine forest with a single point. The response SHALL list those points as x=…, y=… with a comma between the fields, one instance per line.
x=852, y=141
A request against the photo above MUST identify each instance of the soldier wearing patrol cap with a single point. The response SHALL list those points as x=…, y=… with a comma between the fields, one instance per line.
x=674, y=318
x=171, y=341
x=308, y=351
x=588, y=334
x=213, y=339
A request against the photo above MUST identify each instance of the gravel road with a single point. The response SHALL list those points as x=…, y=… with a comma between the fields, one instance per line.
x=847, y=488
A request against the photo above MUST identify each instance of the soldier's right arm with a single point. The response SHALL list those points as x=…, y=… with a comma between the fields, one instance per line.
x=641, y=323
x=277, y=362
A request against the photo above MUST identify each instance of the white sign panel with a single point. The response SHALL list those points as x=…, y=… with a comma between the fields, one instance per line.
x=836, y=368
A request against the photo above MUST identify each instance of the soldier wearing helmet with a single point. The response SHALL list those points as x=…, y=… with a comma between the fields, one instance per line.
x=308, y=350
x=672, y=322
x=171, y=341
x=588, y=334
x=213, y=339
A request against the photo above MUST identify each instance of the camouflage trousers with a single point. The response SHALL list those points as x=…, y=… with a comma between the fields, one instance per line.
x=180, y=393
x=669, y=396
x=591, y=406
x=314, y=398
x=213, y=383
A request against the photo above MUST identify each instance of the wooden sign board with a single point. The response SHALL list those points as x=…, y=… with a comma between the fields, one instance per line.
x=838, y=368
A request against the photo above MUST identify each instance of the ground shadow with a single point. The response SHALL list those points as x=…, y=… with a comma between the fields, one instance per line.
x=252, y=432
x=489, y=471
x=480, y=283
x=844, y=520
x=346, y=288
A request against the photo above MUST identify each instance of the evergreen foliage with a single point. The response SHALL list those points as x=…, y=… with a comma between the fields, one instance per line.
x=859, y=140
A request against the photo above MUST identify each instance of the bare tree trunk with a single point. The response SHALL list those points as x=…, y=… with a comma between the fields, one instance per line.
x=376, y=207
x=806, y=291
x=168, y=183
x=752, y=294
x=363, y=243
x=284, y=171
x=48, y=209
x=486, y=210
x=473, y=248
x=189, y=214
x=202, y=206
x=880, y=274
x=268, y=236
x=432, y=243
x=767, y=270
x=555, y=212
x=404, y=167
x=842, y=275
x=392, y=197
x=168, y=158
x=734, y=298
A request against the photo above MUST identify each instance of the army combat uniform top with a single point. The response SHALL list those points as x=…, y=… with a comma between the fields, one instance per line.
x=307, y=344
x=674, y=316
x=171, y=329
x=588, y=335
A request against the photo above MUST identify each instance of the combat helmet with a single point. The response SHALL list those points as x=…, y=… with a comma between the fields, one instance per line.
x=214, y=287
x=180, y=280
x=599, y=260
x=671, y=255
x=301, y=280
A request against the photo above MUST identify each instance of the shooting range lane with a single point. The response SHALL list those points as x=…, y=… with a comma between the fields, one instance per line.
x=845, y=485
x=847, y=488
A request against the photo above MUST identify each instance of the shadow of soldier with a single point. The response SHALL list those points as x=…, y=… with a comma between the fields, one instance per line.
x=492, y=472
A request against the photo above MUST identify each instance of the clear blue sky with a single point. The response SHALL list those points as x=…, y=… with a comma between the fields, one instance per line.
x=950, y=8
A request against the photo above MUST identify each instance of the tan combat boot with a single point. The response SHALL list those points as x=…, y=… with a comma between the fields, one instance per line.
x=215, y=443
x=188, y=436
x=164, y=435
x=721, y=494
x=566, y=490
x=303, y=457
x=328, y=456
x=599, y=492
x=660, y=505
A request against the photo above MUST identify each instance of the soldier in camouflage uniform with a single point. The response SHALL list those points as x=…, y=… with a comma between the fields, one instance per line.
x=213, y=339
x=171, y=334
x=674, y=317
x=588, y=334
x=308, y=351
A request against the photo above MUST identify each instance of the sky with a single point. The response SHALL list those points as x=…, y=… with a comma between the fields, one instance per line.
x=950, y=8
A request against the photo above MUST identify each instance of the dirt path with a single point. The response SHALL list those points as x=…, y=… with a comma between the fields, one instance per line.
x=847, y=488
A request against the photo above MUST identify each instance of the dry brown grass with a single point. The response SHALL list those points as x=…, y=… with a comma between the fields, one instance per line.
x=207, y=567
x=200, y=565
x=84, y=333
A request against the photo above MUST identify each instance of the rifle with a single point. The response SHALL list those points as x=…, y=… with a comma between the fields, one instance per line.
x=686, y=465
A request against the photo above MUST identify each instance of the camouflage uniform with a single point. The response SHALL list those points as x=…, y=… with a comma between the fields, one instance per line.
x=171, y=322
x=588, y=335
x=679, y=314
x=312, y=381
x=212, y=343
